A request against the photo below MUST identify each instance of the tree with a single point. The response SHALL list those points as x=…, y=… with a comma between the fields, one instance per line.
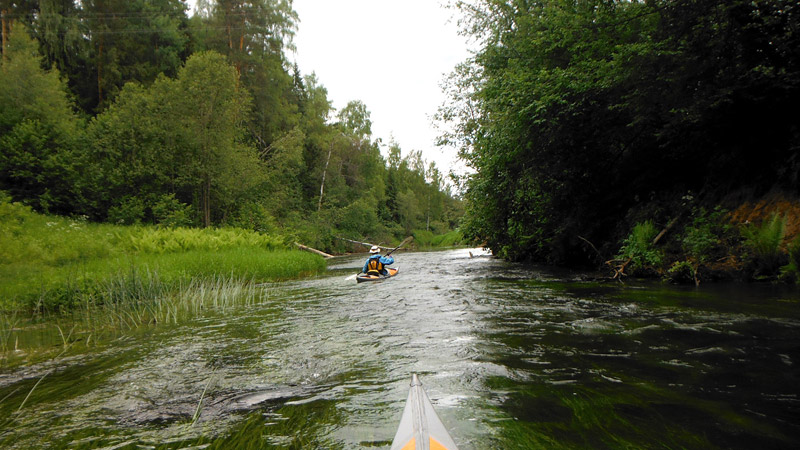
x=253, y=35
x=575, y=113
x=130, y=41
x=211, y=109
x=39, y=133
x=177, y=137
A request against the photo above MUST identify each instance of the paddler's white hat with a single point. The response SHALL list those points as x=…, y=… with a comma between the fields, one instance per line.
x=374, y=249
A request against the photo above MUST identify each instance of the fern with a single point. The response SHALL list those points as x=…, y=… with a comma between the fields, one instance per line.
x=763, y=244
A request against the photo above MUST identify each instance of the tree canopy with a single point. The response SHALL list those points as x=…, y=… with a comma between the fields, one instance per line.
x=579, y=114
x=133, y=112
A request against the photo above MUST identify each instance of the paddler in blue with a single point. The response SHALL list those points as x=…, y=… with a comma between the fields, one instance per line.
x=375, y=264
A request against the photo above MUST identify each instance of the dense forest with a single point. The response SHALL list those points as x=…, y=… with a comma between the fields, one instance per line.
x=135, y=111
x=631, y=133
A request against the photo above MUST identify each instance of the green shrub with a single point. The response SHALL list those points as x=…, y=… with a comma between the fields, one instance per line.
x=448, y=239
x=682, y=272
x=423, y=238
x=704, y=238
x=639, y=248
x=762, y=243
x=358, y=218
x=129, y=211
x=171, y=212
x=791, y=271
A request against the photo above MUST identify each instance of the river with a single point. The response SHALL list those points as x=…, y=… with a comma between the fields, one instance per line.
x=513, y=357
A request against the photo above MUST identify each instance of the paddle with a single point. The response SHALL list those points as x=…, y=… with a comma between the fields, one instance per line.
x=405, y=242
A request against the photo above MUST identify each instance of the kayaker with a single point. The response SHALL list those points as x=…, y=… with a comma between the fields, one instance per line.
x=375, y=264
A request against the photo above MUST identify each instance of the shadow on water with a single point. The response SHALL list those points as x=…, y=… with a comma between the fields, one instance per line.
x=513, y=357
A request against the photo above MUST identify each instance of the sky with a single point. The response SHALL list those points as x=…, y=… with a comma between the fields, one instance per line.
x=390, y=54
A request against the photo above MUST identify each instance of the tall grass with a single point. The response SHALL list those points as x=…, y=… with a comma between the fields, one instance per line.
x=53, y=263
x=427, y=239
x=94, y=279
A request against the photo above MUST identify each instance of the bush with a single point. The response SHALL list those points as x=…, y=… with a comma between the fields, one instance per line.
x=764, y=257
x=448, y=239
x=171, y=212
x=791, y=272
x=706, y=239
x=703, y=240
x=639, y=248
x=129, y=211
x=423, y=238
x=682, y=272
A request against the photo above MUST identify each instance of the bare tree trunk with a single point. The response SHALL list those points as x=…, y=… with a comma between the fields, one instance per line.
x=207, y=202
x=324, y=172
x=100, y=72
x=6, y=28
x=312, y=250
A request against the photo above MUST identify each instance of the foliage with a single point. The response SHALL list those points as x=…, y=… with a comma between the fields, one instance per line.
x=764, y=255
x=39, y=132
x=575, y=113
x=196, y=121
x=171, y=212
x=56, y=262
x=791, y=271
x=638, y=247
x=427, y=239
x=683, y=272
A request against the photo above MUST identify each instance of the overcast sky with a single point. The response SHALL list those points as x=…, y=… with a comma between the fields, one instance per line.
x=390, y=54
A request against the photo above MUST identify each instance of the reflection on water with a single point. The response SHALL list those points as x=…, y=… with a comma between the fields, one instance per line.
x=512, y=356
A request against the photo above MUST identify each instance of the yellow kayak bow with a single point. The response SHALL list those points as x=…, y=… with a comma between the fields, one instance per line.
x=420, y=427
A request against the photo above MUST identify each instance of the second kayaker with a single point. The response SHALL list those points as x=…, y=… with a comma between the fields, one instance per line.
x=376, y=263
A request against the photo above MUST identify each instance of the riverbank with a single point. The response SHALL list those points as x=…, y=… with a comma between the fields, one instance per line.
x=738, y=238
x=55, y=264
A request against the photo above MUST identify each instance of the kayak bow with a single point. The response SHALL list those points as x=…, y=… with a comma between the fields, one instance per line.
x=420, y=427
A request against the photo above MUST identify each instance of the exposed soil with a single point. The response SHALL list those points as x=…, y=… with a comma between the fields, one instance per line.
x=775, y=202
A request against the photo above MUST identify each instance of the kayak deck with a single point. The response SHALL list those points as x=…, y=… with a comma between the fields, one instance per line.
x=366, y=277
x=420, y=427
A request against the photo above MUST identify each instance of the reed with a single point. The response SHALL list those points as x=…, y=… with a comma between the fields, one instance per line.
x=88, y=280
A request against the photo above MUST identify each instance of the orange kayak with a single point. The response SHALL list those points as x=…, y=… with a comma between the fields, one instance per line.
x=365, y=277
x=420, y=427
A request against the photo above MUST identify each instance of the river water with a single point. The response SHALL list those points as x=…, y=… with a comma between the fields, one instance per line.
x=512, y=356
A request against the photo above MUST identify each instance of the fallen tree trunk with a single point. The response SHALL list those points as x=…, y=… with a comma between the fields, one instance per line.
x=312, y=250
x=364, y=243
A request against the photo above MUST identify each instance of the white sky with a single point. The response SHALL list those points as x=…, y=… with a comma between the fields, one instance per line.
x=391, y=55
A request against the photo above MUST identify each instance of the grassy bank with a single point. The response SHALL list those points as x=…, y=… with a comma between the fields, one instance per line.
x=428, y=240
x=53, y=264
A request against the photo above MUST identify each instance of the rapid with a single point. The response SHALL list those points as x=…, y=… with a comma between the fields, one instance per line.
x=513, y=357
